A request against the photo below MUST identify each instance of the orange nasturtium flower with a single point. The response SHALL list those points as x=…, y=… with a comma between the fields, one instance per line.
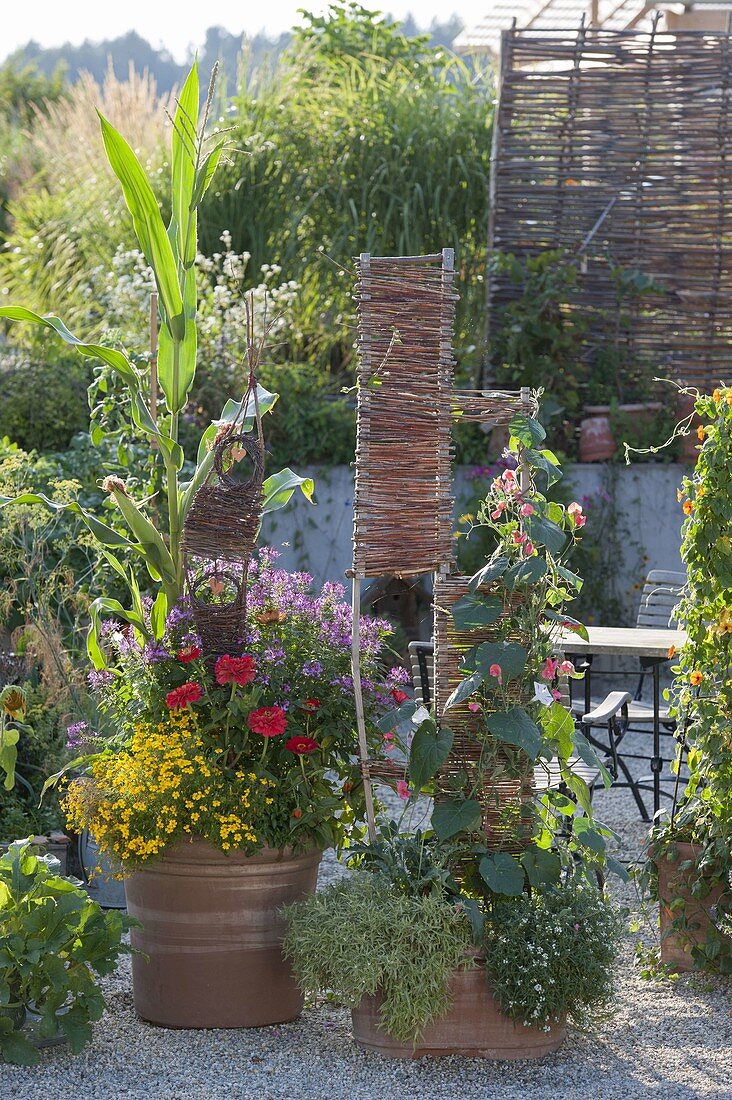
x=688, y=507
x=728, y=397
x=725, y=622
x=671, y=651
x=701, y=432
x=717, y=396
x=696, y=677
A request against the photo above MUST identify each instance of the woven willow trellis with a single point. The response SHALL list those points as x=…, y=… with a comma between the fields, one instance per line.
x=616, y=147
x=406, y=403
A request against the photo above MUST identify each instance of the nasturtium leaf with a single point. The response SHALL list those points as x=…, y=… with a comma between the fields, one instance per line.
x=544, y=532
x=526, y=430
x=490, y=572
x=528, y=571
x=543, y=868
x=472, y=611
x=502, y=874
x=430, y=749
x=515, y=727
x=465, y=689
x=455, y=816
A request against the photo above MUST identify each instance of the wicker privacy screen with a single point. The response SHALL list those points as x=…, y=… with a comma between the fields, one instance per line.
x=403, y=495
x=616, y=147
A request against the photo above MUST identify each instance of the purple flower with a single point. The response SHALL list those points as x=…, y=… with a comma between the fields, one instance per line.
x=99, y=678
x=75, y=735
x=154, y=652
x=179, y=615
x=312, y=668
x=398, y=675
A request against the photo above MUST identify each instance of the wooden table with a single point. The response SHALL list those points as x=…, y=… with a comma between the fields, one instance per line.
x=650, y=645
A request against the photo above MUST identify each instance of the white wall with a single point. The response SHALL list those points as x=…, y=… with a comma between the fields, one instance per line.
x=318, y=537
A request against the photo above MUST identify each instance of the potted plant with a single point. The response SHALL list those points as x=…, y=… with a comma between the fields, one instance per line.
x=56, y=939
x=483, y=889
x=689, y=862
x=143, y=547
x=224, y=784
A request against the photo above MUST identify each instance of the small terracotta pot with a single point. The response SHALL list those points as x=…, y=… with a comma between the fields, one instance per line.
x=474, y=1027
x=677, y=945
x=212, y=934
x=597, y=442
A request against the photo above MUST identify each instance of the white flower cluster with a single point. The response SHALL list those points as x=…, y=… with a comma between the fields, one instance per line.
x=119, y=300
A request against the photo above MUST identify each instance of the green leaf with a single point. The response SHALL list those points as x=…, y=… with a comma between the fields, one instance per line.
x=472, y=612
x=148, y=225
x=568, y=623
x=278, y=488
x=184, y=141
x=528, y=571
x=543, y=867
x=464, y=689
x=558, y=726
x=430, y=749
x=589, y=837
x=18, y=1050
x=587, y=752
x=570, y=577
x=150, y=540
x=207, y=170
x=450, y=818
x=526, y=430
x=542, y=460
x=9, y=737
x=115, y=608
x=509, y=655
x=502, y=874
x=400, y=716
x=106, y=535
x=490, y=572
x=543, y=532
x=515, y=727
x=158, y=614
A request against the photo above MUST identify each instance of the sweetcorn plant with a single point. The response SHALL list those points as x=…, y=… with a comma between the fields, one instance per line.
x=171, y=254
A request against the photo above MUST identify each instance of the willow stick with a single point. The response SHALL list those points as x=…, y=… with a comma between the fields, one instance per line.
x=363, y=747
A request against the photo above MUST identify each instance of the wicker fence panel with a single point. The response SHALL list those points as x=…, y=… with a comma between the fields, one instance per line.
x=616, y=147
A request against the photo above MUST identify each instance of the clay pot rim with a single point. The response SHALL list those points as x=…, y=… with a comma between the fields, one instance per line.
x=196, y=849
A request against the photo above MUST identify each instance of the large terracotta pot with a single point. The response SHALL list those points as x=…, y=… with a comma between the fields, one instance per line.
x=673, y=882
x=474, y=1027
x=212, y=934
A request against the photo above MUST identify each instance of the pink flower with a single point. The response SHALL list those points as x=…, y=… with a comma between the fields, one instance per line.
x=549, y=669
x=527, y=510
x=556, y=695
x=183, y=696
x=403, y=790
x=566, y=668
x=475, y=706
x=508, y=475
x=499, y=510
x=518, y=537
x=528, y=549
x=495, y=670
x=575, y=511
x=235, y=670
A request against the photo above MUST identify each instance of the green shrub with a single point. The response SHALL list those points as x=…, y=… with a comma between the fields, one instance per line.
x=44, y=402
x=41, y=751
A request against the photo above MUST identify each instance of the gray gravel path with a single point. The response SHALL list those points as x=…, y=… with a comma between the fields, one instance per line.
x=671, y=1041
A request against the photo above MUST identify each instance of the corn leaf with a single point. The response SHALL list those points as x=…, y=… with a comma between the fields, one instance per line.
x=148, y=225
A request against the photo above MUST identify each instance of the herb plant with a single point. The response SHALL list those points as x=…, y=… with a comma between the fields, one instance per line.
x=53, y=941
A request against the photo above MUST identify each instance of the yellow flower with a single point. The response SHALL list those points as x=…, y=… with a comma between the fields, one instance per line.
x=701, y=431
x=717, y=396
x=13, y=701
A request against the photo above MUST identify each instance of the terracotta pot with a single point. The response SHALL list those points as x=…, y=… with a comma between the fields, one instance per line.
x=597, y=442
x=673, y=882
x=212, y=935
x=474, y=1027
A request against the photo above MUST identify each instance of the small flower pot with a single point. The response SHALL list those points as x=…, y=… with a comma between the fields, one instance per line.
x=597, y=442
x=686, y=926
x=212, y=935
x=474, y=1027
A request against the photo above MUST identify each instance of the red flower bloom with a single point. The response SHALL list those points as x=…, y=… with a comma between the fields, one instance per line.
x=235, y=670
x=311, y=704
x=399, y=696
x=302, y=746
x=190, y=653
x=184, y=695
x=269, y=721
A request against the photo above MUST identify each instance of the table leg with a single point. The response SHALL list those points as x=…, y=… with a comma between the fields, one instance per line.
x=656, y=762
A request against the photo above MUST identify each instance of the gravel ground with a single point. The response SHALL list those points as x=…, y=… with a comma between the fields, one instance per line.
x=671, y=1041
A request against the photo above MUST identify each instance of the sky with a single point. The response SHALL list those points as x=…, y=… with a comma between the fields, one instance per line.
x=178, y=24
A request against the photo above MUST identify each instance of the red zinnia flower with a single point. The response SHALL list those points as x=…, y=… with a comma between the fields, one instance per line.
x=190, y=653
x=302, y=745
x=269, y=721
x=235, y=670
x=184, y=695
x=399, y=696
x=311, y=704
